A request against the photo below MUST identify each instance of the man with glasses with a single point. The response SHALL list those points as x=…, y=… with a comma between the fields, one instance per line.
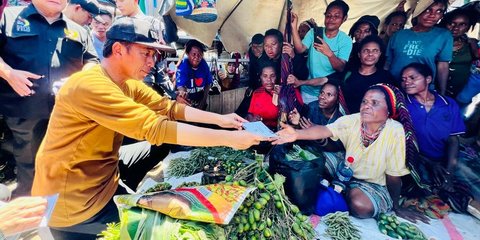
x=99, y=30
x=328, y=51
x=95, y=108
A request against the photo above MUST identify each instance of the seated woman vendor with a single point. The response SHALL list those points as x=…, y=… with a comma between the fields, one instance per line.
x=437, y=123
x=377, y=143
x=262, y=107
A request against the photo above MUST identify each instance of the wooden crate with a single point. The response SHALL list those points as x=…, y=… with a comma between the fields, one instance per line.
x=226, y=102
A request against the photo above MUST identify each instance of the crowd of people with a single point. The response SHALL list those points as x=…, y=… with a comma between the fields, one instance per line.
x=394, y=99
x=422, y=77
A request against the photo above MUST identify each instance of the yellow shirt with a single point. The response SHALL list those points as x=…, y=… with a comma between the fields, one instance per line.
x=386, y=155
x=78, y=157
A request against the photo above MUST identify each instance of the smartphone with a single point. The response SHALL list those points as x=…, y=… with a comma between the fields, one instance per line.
x=318, y=33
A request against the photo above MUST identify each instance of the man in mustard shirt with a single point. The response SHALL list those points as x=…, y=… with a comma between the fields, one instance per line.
x=79, y=155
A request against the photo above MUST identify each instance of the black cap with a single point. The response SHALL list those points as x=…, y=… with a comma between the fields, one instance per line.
x=136, y=30
x=371, y=20
x=91, y=6
x=257, y=39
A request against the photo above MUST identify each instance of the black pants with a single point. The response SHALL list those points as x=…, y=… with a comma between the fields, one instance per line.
x=27, y=135
x=137, y=159
x=89, y=229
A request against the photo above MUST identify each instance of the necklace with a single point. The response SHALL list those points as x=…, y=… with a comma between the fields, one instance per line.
x=368, y=139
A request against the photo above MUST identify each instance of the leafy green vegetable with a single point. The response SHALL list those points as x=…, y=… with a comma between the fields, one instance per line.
x=138, y=223
x=112, y=232
x=298, y=154
x=208, y=156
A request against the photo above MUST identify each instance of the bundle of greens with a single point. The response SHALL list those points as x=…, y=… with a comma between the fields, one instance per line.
x=111, y=233
x=138, y=223
x=340, y=227
x=159, y=187
x=214, y=159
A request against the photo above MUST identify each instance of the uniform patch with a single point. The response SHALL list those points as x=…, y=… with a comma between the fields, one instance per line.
x=22, y=25
x=71, y=34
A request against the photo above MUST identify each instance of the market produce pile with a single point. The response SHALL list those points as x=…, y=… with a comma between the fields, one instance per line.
x=215, y=159
x=340, y=227
x=140, y=223
x=266, y=213
x=391, y=226
x=261, y=208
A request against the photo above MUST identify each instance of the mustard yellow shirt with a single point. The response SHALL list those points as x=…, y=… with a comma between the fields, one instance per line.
x=386, y=155
x=78, y=157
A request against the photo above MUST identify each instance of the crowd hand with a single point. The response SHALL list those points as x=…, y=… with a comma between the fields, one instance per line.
x=288, y=49
x=222, y=75
x=244, y=139
x=182, y=97
x=440, y=175
x=448, y=184
x=411, y=215
x=305, y=123
x=21, y=82
x=231, y=120
x=58, y=84
x=286, y=135
x=291, y=79
x=323, y=48
x=277, y=89
x=401, y=6
x=22, y=214
x=294, y=117
x=312, y=21
x=294, y=18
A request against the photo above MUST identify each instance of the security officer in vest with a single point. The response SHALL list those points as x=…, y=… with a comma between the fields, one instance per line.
x=38, y=47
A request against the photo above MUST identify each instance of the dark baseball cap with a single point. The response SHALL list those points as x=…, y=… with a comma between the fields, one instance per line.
x=136, y=30
x=91, y=6
x=257, y=39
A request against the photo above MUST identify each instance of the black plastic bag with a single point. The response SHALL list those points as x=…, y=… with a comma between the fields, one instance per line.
x=302, y=177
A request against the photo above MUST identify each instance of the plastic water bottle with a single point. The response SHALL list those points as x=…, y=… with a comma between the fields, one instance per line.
x=344, y=174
